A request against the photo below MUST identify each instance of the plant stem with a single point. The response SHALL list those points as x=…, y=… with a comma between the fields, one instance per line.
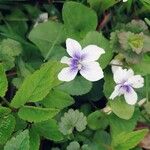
x=6, y=102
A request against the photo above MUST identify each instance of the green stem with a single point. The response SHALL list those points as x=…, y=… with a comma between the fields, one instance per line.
x=6, y=102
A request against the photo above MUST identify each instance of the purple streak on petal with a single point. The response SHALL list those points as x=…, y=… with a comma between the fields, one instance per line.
x=73, y=69
x=83, y=56
x=126, y=88
x=77, y=56
x=85, y=68
x=74, y=63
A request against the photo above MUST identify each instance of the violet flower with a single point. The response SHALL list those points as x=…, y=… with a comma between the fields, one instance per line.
x=126, y=82
x=82, y=61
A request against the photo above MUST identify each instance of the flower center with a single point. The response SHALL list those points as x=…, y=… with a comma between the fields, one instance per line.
x=79, y=66
x=76, y=64
x=125, y=88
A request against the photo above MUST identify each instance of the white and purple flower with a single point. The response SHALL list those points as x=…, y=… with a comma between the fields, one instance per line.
x=126, y=82
x=82, y=61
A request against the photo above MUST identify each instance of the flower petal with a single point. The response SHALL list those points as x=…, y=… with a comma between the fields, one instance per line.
x=92, y=71
x=91, y=53
x=67, y=74
x=131, y=97
x=122, y=75
x=136, y=81
x=115, y=64
x=73, y=47
x=65, y=60
x=115, y=92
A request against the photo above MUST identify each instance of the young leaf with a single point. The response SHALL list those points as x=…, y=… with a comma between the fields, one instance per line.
x=49, y=130
x=73, y=146
x=3, y=81
x=36, y=114
x=7, y=126
x=36, y=86
x=75, y=19
x=20, y=142
x=78, y=86
x=72, y=119
x=129, y=140
x=34, y=139
x=57, y=99
x=76, y=146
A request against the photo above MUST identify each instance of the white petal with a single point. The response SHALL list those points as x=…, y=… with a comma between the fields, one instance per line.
x=131, y=97
x=67, y=74
x=115, y=64
x=73, y=47
x=91, y=53
x=92, y=71
x=65, y=60
x=122, y=75
x=136, y=81
x=115, y=92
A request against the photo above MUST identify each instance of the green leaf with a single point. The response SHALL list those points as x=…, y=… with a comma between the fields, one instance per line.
x=147, y=21
x=109, y=84
x=34, y=139
x=48, y=36
x=73, y=146
x=103, y=5
x=125, y=141
x=20, y=124
x=36, y=114
x=96, y=93
x=72, y=119
x=16, y=23
x=76, y=146
x=9, y=49
x=49, y=130
x=97, y=120
x=57, y=99
x=3, y=81
x=37, y=85
x=20, y=142
x=75, y=19
x=121, y=108
x=78, y=86
x=143, y=66
x=99, y=40
x=101, y=140
x=119, y=125
x=7, y=126
x=4, y=111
